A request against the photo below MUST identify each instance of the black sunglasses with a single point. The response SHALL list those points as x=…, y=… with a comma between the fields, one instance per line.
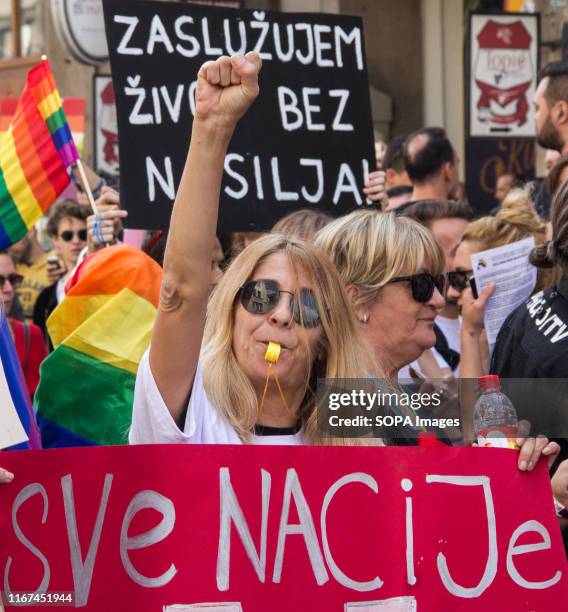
x=459, y=279
x=14, y=279
x=262, y=296
x=67, y=235
x=423, y=285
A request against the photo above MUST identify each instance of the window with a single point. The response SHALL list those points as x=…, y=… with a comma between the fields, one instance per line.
x=21, y=28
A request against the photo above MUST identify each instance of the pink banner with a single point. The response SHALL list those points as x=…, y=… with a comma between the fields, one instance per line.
x=281, y=528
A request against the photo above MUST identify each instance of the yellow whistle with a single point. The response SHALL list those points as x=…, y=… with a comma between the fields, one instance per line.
x=272, y=352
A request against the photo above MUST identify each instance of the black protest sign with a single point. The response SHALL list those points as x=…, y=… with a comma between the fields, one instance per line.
x=306, y=142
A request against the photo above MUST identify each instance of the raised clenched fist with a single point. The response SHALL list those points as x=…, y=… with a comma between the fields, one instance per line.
x=226, y=88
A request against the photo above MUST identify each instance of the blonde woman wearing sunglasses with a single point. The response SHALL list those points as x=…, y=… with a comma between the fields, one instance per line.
x=393, y=271
x=204, y=379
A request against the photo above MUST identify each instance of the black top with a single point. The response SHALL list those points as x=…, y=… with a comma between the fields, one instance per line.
x=400, y=209
x=533, y=345
x=451, y=357
x=266, y=430
x=45, y=304
x=533, y=341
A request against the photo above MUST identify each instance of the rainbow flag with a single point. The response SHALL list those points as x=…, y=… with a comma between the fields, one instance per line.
x=99, y=331
x=74, y=109
x=8, y=108
x=35, y=152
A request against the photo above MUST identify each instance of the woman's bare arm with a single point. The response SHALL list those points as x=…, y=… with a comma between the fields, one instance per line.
x=471, y=361
x=225, y=90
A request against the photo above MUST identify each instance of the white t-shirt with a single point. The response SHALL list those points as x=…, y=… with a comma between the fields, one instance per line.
x=152, y=422
x=60, y=290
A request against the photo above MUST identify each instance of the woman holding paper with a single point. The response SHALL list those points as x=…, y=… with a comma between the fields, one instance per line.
x=533, y=341
x=522, y=350
x=516, y=220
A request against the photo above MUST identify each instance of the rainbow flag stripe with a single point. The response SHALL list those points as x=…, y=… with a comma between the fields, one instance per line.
x=35, y=152
x=74, y=111
x=44, y=90
x=100, y=332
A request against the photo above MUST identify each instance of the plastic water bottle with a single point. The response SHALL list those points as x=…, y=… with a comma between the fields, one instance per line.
x=494, y=417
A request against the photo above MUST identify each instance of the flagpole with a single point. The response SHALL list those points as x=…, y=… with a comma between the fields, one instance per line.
x=86, y=186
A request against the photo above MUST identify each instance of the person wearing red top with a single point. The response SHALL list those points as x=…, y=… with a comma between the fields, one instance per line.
x=31, y=350
x=28, y=338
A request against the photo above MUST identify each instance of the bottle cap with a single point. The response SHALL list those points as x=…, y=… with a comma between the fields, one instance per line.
x=272, y=352
x=491, y=381
x=427, y=439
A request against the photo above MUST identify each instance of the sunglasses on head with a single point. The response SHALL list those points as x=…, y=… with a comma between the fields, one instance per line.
x=14, y=279
x=262, y=296
x=459, y=279
x=67, y=235
x=423, y=285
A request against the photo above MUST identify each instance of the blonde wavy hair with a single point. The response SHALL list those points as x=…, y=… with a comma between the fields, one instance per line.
x=345, y=354
x=370, y=248
x=516, y=220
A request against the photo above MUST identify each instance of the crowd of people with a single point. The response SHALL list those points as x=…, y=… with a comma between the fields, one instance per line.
x=383, y=293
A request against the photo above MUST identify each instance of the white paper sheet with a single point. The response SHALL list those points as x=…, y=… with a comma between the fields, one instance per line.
x=205, y=607
x=11, y=429
x=509, y=268
x=394, y=604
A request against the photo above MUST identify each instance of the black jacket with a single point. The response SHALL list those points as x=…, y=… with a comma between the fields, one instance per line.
x=533, y=341
x=45, y=304
x=531, y=358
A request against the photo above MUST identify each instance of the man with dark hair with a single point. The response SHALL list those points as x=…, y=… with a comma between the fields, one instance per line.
x=551, y=118
x=393, y=164
x=397, y=183
x=551, y=107
x=432, y=165
x=447, y=220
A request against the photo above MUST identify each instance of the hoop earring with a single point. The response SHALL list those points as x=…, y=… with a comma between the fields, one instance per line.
x=364, y=318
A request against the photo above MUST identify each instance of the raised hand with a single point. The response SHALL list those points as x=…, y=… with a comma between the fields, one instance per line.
x=104, y=227
x=226, y=88
x=55, y=269
x=374, y=188
x=108, y=200
x=473, y=310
